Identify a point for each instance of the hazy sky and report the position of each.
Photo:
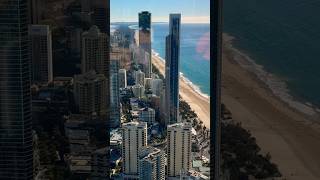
(192, 11)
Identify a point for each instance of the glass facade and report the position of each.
(145, 20)
(15, 99)
(172, 68)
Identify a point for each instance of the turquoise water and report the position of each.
(283, 36)
(194, 56)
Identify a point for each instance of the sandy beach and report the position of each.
(197, 102)
(291, 137)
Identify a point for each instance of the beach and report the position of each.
(283, 127)
(197, 101)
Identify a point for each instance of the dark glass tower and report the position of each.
(145, 40)
(145, 20)
(15, 102)
(172, 68)
(101, 15)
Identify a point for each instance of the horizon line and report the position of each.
(160, 22)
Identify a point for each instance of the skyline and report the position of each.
(192, 11)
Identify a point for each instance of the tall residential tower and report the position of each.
(151, 164)
(178, 149)
(172, 69)
(134, 135)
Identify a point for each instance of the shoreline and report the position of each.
(198, 102)
(188, 81)
(276, 85)
(287, 131)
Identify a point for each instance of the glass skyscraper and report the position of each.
(145, 41)
(15, 99)
(172, 69)
(145, 20)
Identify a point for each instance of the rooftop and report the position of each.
(134, 124)
(185, 126)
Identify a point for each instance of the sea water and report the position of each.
(194, 52)
(283, 37)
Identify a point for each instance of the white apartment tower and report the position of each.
(151, 164)
(178, 148)
(134, 135)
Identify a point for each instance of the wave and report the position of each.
(194, 87)
(278, 86)
(133, 26)
(188, 81)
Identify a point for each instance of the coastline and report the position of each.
(262, 104)
(276, 85)
(185, 79)
(189, 92)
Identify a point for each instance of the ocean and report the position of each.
(194, 52)
(283, 37)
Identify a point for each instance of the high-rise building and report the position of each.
(147, 83)
(134, 135)
(138, 91)
(147, 115)
(74, 39)
(172, 69)
(41, 53)
(90, 93)
(178, 148)
(16, 154)
(156, 86)
(101, 14)
(163, 109)
(95, 52)
(95, 56)
(139, 77)
(122, 78)
(151, 164)
(36, 11)
(145, 40)
(114, 93)
(99, 164)
(145, 20)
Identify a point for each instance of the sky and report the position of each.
(192, 11)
